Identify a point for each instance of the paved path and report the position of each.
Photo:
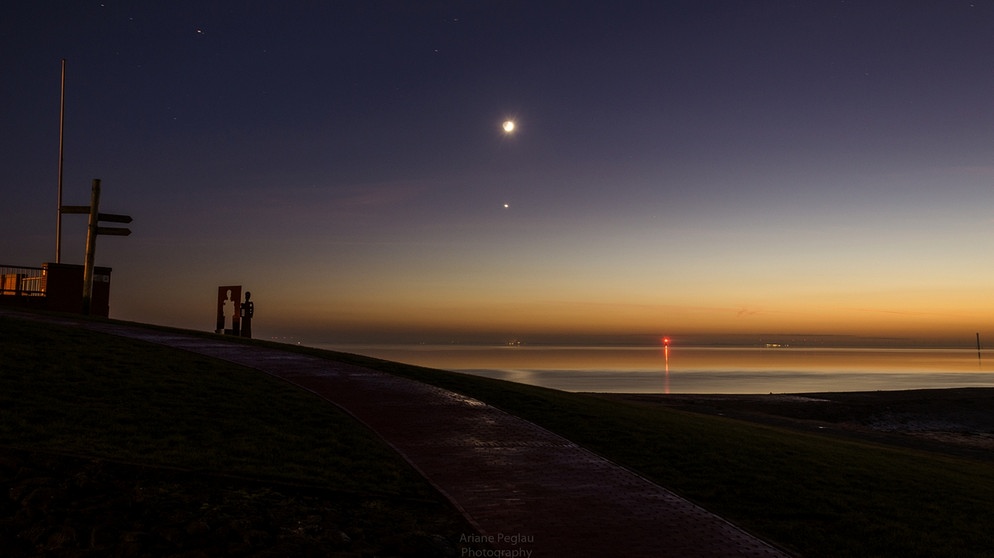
(531, 492)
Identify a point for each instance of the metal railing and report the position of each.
(21, 281)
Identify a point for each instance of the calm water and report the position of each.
(703, 369)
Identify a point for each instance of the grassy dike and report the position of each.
(225, 458)
(69, 390)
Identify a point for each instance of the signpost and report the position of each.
(92, 231)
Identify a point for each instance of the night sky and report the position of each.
(677, 168)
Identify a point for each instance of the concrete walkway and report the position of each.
(529, 492)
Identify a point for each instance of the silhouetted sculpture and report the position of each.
(248, 308)
(231, 293)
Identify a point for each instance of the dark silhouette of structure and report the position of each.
(229, 304)
(248, 309)
(226, 294)
(56, 287)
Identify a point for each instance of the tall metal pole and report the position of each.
(62, 119)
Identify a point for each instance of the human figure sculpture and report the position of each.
(232, 293)
(247, 309)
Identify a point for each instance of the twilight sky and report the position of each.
(809, 167)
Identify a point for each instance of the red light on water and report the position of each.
(666, 341)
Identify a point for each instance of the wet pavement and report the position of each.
(531, 493)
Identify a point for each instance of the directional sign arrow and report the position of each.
(115, 231)
(114, 218)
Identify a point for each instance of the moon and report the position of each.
(508, 126)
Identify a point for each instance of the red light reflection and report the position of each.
(666, 365)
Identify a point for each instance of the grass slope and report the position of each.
(119, 447)
(75, 391)
(817, 496)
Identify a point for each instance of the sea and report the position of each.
(714, 370)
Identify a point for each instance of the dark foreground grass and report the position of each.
(70, 390)
(816, 496)
(116, 447)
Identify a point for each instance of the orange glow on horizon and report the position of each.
(459, 306)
